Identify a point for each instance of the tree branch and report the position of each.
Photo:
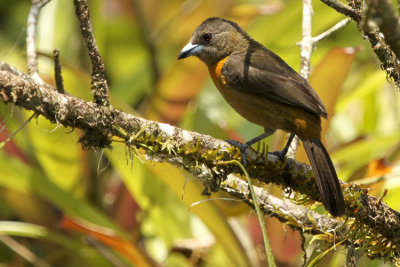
(343, 9)
(99, 81)
(390, 63)
(375, 225)
(382, 12)
(306, 45)
(284, 210)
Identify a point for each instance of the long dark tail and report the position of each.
(325, 175)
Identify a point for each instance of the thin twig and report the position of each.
(99, 81)
(306, 47)
(57, 72)
(3, 143)
(25, 253)
(341, 24)
(31, 55)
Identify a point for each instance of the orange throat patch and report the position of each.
(216, 72)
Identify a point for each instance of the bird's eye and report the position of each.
(207, 37)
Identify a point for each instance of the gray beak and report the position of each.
(190, 50)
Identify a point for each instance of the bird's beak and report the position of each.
(190, 50)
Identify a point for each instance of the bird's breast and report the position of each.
(245, 104)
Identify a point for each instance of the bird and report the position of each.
(265, 90)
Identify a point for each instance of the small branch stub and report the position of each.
(31, 55)
(57, 72)
(99, 81)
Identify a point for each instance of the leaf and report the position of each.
(110, 238)
(82, 254)
(18, 176)
(360, 153)
(57, 152)
(369, 84)
(36, 231)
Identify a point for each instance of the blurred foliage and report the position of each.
(71, 207)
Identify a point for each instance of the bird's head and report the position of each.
(215, 39)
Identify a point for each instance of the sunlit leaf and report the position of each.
(57, 152)
(364, 151)
(110, 238)
(20, 177)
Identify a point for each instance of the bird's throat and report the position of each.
(216, 72)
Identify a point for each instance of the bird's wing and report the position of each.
(261, 72)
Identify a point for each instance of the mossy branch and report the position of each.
(380, 25)
(370, 223)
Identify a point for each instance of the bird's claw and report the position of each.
(281, 154)
(242, 147)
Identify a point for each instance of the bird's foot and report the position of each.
(242, 147)
(281, 154)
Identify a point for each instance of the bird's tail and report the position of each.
(325, 175)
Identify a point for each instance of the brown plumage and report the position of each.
(262, 88)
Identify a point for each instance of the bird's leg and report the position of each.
(282, 154)
(243, 146)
